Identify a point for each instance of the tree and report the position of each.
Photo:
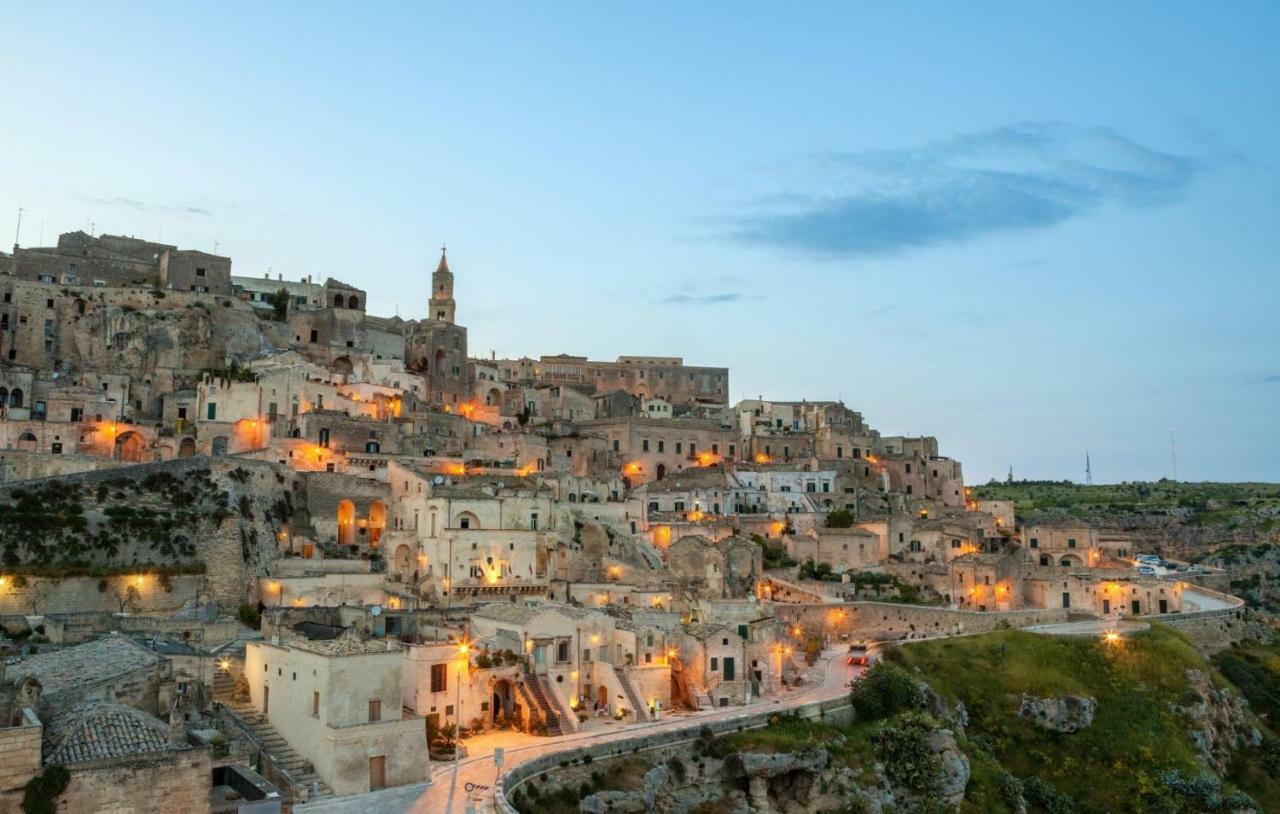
(127, 598)
(840, 519)
(280, 302)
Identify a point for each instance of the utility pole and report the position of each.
(17, 233)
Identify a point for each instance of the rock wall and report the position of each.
(43, 595)
(889, 621)
(158, 783)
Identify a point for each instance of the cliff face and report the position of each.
(211, 516)
(140, 332)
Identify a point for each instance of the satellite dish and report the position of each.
(376, 610)
(437, 480)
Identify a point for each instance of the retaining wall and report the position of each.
(837, 710)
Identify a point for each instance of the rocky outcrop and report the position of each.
(1219, 721)
(1070, 713)
(777, 782)
(952, 775)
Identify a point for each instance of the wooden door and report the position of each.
(377, 772)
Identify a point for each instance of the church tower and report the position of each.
(442, 305)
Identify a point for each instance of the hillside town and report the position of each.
(263, 550)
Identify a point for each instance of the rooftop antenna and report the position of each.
(1088, 470)
(17, 233)
(215, 247)
(1173, 453)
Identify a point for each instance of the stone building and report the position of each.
(80, 259)
(436, 347)
(122, 759)
(113, 668)
(337, 702)
(650, 449)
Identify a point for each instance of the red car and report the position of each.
(858, 655)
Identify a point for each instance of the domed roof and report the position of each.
(97, 729)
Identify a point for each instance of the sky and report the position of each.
(1031, 231)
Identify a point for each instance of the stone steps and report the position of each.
(305, 780)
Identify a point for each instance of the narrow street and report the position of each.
(477, 773)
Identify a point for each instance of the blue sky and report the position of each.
(1028, 231)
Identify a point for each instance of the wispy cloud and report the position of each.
(884, 310)
(143, 206)
(1024, 176)
(1272, 379)
(701, 299)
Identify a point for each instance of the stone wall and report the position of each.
(890, 621)
(83, 594)
(565, 768)
(159, 783)
(19, 755)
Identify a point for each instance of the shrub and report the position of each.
(883, 690)
(1046, 798)
(903, 747)
(250, 616)
(840, 519)
(40, 795)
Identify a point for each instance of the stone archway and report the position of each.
(27, 442)
(502, 703)
(494, 397)
(219, 446)
(342, 365)
(186, 448)
(377, 521)
(346, 523)
(129, 446)
(404, 562)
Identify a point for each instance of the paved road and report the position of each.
(1093, 627)
(478, 770)
(1192, 597)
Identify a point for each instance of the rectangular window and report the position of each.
(315, 705)
(199, 272)
(562, 651)
(439, 677)
(644, 445)
(375, 710)
(211, 411)
(324, 437)
(715, 664)
(315, 335)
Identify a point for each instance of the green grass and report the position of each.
(1203, 504)
(1112, 765)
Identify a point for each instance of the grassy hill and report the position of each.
(1138, 755)
(1230, 505)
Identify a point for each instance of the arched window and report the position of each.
(15, 397)
(337, 300)
(353, 302)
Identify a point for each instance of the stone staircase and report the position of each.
(545, 705)
(306, 783)
(638, 705)
(223, 686)
(703, 699)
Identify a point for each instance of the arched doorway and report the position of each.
(342, 365)
(346, 523)
(439, 360)
(129, 446)
(661, 471)
(493, 397)
(502, 703)
(27, 442)
(219, 446)
(404, 562)
(602, 698)
(353, 302)
(15, 397)
(377, 521)
(187, 448)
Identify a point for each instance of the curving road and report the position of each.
(477, 769)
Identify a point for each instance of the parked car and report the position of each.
(1146, 570)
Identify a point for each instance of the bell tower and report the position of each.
(442, 305)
